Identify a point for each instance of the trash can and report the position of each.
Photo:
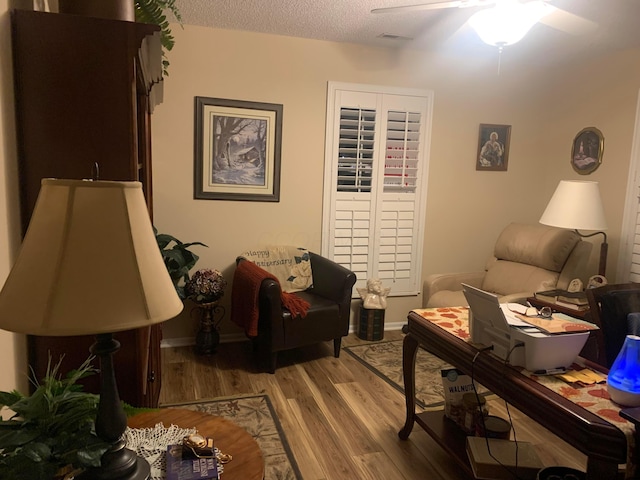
(371, 324)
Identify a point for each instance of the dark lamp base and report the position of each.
(126, 466)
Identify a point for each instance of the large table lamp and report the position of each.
(577, 205)
(90, 264)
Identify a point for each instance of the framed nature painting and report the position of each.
(237, 150)
(493, 147)
(587, 150)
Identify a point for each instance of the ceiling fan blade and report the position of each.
(568, 22)
(433, 6)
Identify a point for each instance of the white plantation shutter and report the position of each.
(375, 182)
(628, 267)
(634, 274)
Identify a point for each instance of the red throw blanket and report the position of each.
(244, 297)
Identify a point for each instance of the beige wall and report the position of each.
(466, 209)
(604, 94)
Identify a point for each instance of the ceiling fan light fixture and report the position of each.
(508, 22)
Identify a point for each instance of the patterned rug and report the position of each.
(385, 359)
(256, 415)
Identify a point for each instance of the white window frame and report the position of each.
(367, 207)
(628, 268)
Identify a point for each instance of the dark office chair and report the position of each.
(609, 307)
(327, 317)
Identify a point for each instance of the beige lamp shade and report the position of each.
(89, 264)
(576, 204)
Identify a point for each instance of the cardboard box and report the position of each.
(500, 461)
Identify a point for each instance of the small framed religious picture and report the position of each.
(587, 150)
(493, 147)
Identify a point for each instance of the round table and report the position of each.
(247, 463)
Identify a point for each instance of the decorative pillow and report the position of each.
(290, 265)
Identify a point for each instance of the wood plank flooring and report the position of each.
(341, 420)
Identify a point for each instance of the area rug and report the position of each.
(385, 359)
(256, 415)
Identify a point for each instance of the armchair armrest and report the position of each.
(270, 307)
(331, 280)
(270, 294)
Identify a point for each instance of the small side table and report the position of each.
(247, 463)
(581, 314)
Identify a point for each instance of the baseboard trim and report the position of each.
(189, 341)
(240, 337)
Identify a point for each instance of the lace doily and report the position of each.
(151, 444)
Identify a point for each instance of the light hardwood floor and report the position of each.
(341, 420)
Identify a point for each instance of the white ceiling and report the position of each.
(436, 30)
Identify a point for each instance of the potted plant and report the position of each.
(177, 258)
(52, 431)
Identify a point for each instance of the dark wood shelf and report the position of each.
(448, 435)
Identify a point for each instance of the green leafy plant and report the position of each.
(51, 429)
(177, 258)
(153, 11)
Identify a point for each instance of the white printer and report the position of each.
(542, 352)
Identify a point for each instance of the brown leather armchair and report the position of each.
(326, 319)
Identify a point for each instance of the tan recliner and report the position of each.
(526, 259)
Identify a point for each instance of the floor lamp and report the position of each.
(90, 264)
(577, 205)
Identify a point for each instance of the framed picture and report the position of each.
(237, 150)
(493, 147)
(587, 150)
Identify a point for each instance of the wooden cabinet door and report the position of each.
(81, 102)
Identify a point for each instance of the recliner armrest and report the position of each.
(449, 281)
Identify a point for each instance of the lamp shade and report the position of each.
(89, 264)
(508, 21)
(576, 205)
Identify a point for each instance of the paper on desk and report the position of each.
(511, 317)
(585, 376)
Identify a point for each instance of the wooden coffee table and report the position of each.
(604, 444)
(247, 463)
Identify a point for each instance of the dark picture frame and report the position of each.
(493, 147)
(237, 150)
(587, 150)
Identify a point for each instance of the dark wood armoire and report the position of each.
(84, 91)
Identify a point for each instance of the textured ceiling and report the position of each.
(615, 22)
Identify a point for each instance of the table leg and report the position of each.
(409, 351)
(598, 469)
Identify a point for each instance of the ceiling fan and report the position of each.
(504, 22)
